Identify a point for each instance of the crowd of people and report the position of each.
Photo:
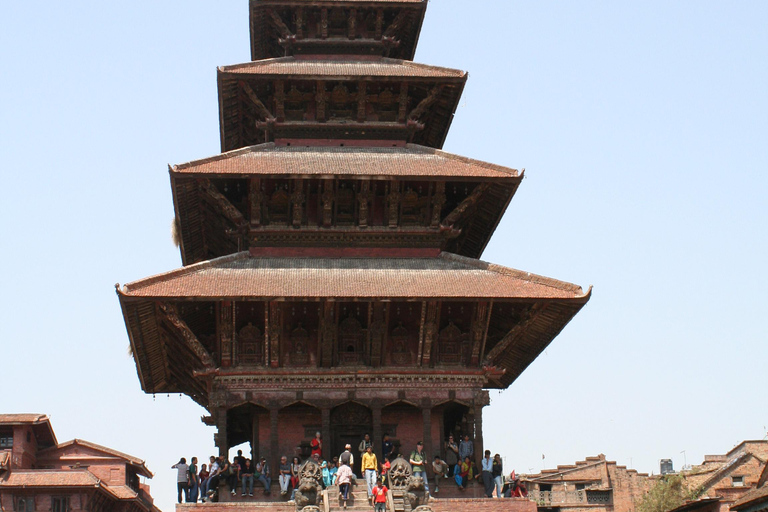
(202, 483)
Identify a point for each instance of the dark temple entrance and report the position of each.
(349, 423)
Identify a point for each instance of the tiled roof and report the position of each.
(50, 478)
(412, 160)
(136, 462)
(751, 498)
(40, 423)
(7, 419)
(121, 492)
(347, 68)
(447, 276)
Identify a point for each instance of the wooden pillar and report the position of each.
(377, 431)
(221, 435)
(226, 332)
(273, 457)
(326, 432)
(254, 436)
(441, 435)
(426, 414)
(481, 400)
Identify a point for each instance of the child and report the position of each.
(380, 496)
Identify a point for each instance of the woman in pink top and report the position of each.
(344, 479)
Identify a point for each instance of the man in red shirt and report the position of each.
(380, 496)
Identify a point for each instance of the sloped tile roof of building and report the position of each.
(135, 461)
(121, 492)
(411, 160)
(41, 423)
(8, 419)
(447, 276)
(753, 497)
(384, 67)
(50, 478)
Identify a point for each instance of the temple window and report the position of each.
(345, 203)
(250, 345)
(300, 343)
(450, 344)
(343, 103)
(400, 353)
(60, 504)
(279, 206)
(737, 481)
(350, 341)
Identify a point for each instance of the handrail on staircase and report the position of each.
(326, 501)
(390, 502)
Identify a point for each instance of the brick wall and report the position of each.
(483, 505)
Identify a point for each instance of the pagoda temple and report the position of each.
(330, 277)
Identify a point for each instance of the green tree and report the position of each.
(670, 492)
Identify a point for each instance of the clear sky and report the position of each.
(643, 129)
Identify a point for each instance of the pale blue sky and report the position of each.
(643, 128)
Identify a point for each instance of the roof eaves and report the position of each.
(519, 274)
(174, 169)
(514, 173)
(127, 288)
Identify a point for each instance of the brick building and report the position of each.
(38, 473)
(731, 476)
(591, 485)
(755, 500)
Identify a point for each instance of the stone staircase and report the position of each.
(358, 498)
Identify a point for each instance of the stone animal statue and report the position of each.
(309, 489)
(415, 492)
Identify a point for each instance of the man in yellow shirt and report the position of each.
(370, 465)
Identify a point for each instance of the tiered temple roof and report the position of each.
(330, 252)
(270, 196)
(388, 28)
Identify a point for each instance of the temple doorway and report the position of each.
(456, 422)
(349, 423)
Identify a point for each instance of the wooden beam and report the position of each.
(438, 200)
(275, 333)
(226, 328)
(265, 114)
(396, 23)
(361, 101)
(393, 198)
(321, 98)
(255, 199)
(430, 328)
(363, 199)
(297, 202)
(222, 204)
(280, 100)
(170, 314)
(379, 23)
(515, 332)
(459, 213)
(329, 333)
(352, 24)
(324, 23)
(281, 27)
(479, 329)
(424, 104)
